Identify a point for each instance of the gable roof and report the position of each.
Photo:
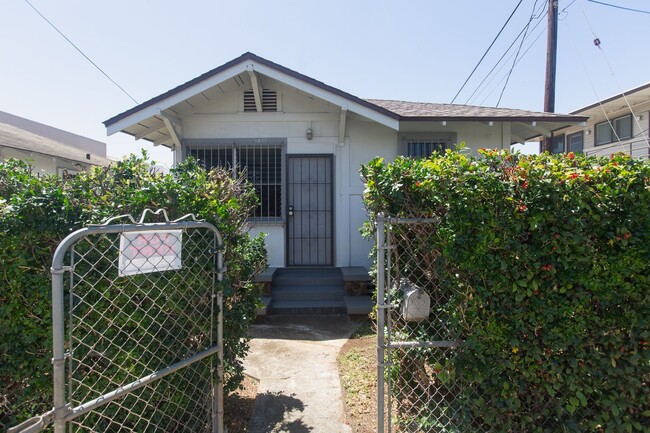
(242, 63)
(17, 138)
(149, 116)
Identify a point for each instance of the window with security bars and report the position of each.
(614, 130)
(424, 148)
(262, 165)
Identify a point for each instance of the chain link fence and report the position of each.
(137, 330)
(419, 347)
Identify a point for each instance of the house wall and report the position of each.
(637, 146)
(364, 140)
(41, 163)
(475, 135)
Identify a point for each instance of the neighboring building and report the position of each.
(49, 149)
(616, 124)
(302, 143)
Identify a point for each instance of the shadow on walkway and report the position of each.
(275, 412)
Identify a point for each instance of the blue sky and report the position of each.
(410, 50)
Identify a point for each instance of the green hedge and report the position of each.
(550, 255)
(37, 212)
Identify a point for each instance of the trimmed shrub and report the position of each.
(37, 212)
(543, 265)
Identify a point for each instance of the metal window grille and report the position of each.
(424, 148)
(262, 165)
(269, 101)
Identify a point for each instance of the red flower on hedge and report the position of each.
(571, 155)
(547, 267)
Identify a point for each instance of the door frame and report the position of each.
(332, 207)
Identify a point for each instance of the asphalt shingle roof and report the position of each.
(428, 110)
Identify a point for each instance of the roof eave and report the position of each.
(558, 119)
(228, 70)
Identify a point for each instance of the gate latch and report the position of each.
(290, 210)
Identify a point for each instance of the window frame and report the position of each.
(555, 140)
(568, 145)
(613, 125)
(231, 150)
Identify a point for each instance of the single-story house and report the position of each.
(302, 143)
(616, 124)
(49, 150)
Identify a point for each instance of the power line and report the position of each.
(532, 16)
(489, 74)
(80, 52)
(619, 7)
(598, 45)
(486, 51)
(520, 58)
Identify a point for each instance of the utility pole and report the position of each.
(551, 56)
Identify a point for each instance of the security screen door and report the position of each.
(309, 210)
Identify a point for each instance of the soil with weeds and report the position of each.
(358, 371)
(238, 406)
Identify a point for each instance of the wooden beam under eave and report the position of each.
(148, 131)
(173, 133)
(518, 138)
(535, 127)
(257, 87)
(342, 122)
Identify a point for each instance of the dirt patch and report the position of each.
(358, 371)
(238, 406)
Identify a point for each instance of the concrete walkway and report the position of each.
(294, 358)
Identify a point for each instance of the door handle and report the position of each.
(290, 212)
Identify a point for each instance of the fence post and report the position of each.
(380, 321)
(58, 349)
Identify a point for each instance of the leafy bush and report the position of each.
(36, 213)
(541, 264)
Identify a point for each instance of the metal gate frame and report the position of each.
(63, 412)
(386, 343)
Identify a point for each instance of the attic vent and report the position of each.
(269, 101)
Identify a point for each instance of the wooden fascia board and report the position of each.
(216, 79)
(174, 99)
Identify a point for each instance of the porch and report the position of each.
(316, 290)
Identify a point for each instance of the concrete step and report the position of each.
(308, 293)
(307, 277)
(358, 305)
(307, 307)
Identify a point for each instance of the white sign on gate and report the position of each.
(150, 251)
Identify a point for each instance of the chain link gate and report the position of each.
(418, 388)
(137, 329)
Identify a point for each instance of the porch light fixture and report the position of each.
(444, 123)
(310, 134)
(588, 131)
